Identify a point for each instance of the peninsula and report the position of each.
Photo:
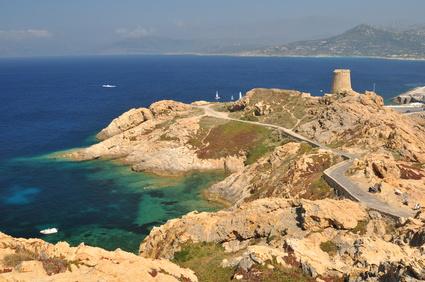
(328, 188)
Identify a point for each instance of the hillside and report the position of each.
(362, 40)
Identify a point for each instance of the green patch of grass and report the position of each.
(249, 117)
(305, 148)
(280, 118)
(320, 189)
(204, 259)
(329, 247)
(231, 138)
(256, 153)
(360, 228)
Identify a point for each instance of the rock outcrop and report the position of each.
(402, 183)
(124, 122)
(416, 95)
(318, 237)
(156, 140)
(36, 260)
(292, 170)
(359, 123)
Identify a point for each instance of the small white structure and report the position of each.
(49, 231)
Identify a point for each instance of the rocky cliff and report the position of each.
(160, 139)
(36, 260)
(318, 238)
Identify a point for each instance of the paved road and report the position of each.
(336, 174)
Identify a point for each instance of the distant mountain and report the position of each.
(362, 40)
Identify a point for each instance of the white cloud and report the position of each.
(136, 33)
(24, 34)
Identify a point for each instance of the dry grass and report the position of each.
(52, 265)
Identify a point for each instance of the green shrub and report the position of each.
(361, 227)
(329, 247)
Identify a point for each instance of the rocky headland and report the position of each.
(416, 95)
(285, 220)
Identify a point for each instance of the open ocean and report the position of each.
(53, 104)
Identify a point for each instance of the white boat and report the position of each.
(49, 231)
(108, 86)
(240, 95)
(231, 98)
(217, 97)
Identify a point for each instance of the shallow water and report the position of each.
(53, 104)
(100, 203)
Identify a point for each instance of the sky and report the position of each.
(60, 27)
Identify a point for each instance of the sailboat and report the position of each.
(240, 95)
(216, 96)
(231, 98)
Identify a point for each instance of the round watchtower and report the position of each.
(341, 81)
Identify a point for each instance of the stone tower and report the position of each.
(341, 81)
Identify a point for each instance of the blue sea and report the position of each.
(53, 104)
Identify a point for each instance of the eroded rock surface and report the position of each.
(36, 260)
(326, 238)
(292, 170)
(156, 140)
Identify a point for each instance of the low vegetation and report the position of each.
(329, 247)
(52, 265)
(205, 259)
(320, 189)
(285, 108)
(360, 228)
(218, 138)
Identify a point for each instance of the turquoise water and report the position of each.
(53, 104)
(100, 203)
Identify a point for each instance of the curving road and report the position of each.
(335, 175)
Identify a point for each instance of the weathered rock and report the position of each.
(125, 122)
(321, 214)
(159, 143)
(287, 172)
(358, 121)
(85, 264)
(167, 107)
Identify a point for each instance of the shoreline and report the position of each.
(197, 54)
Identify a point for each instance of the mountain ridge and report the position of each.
(363, 40)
